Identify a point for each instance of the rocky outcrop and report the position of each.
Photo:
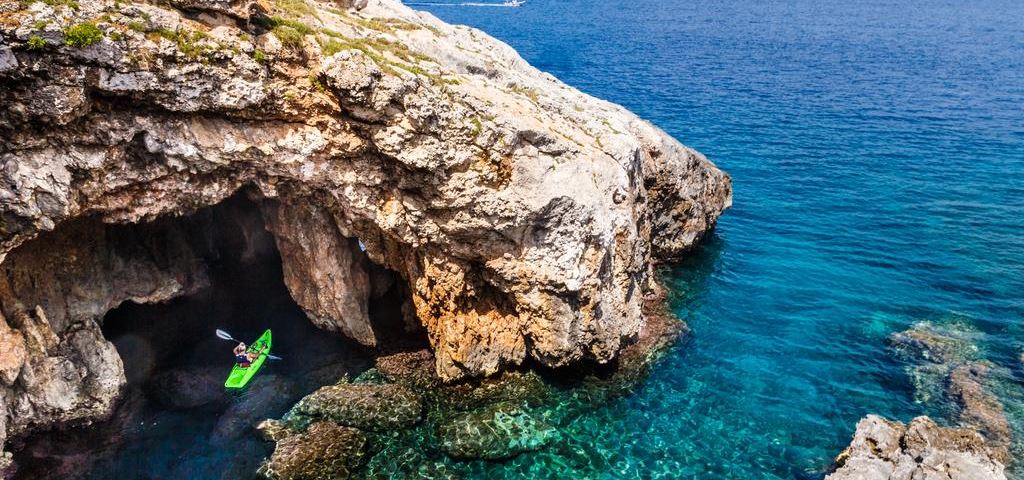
(322, 269)
(979, 408)
(325, 450)
(886, 450)
(521, 215)
(943, 363)
(55, 365)
(378, 408)
(497, 432)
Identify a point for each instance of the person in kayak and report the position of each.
(243, 357)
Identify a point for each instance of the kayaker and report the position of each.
(243, 357)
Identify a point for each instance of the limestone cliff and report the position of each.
(522, 215)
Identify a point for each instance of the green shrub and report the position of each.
(67, 3)
(259, 56)
(35, 42)
(289, 36)
(82, 35)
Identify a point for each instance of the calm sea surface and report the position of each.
(877, 150)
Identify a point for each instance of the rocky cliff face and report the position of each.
(523, 215)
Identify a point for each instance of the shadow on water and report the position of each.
(175, 419)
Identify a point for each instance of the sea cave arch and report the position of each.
(95, 309)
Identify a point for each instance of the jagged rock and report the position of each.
(322, 269)
(521, 215)
(887, 450)
(413, 369)
(189, 387)
(496, 432)
(325, 451)
(380, 408)
(526, 387)
(979, 408)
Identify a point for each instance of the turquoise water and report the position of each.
(877, 150)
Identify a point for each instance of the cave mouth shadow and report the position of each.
(245, 295)
(174, 419)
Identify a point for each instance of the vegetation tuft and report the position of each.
(82, 35)
(35, 42)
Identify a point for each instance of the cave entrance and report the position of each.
(245, 295)
(174, 418)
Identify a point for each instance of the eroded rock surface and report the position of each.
(499, 431)
(522, 215)
(377, 408)
(886, 450)
(980, 408)
(325, 450)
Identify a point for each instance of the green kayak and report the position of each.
(240, 376)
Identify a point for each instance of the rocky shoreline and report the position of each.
(400, 420)
(944, 365)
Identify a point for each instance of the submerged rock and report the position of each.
(497, 432)
(414, 369)
(325, 451)
(931, 352)
(940, 344)
(519, 387)
(979, 408)
(887, 450)
(190, 387)
(268, 395)
(377, 408)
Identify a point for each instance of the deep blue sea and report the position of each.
(877, 151)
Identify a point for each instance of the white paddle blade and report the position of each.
(224, 335)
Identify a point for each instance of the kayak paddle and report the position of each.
(227, 336)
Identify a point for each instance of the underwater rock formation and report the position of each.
(980, 408)
(943, 363)
(886, 450)
(378, 408)
(499, 417)
(521, 215)
(500, 431)
(325, 450)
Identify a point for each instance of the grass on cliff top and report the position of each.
(527, 92)
(72, 4)
(289, 32)
(375, 48)
(188, 41)
(82, 35)
(295, 8)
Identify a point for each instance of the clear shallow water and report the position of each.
(877, 152)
